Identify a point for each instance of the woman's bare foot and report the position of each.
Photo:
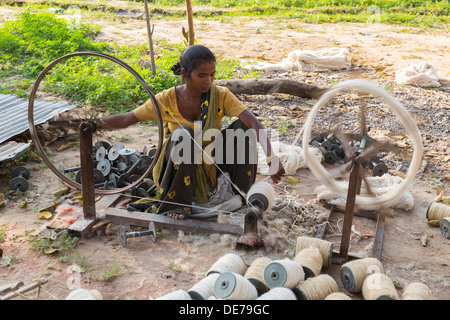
(175, 215)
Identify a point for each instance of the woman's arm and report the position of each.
(120, 121)
(276, 169)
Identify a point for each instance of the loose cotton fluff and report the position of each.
(422, 75)
(308, 60)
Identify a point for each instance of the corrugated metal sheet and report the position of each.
(14, 119)
(11, 150)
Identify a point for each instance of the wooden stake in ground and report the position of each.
(190, 23)
(150, 30)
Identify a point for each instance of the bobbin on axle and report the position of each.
(135, 234)
(20, 179)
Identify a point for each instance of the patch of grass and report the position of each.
(30, 43)
(111, 272)
(3, 233)
(424, 13)
(61, 243)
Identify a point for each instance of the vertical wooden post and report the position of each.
(82, 227)
(191, 40)
(150, 39)
(349, 210)
(87, 170)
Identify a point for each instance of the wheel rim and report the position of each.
(402, 114)
(39, 147)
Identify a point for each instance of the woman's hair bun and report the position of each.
(176, 69)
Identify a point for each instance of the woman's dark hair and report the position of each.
(192, 57)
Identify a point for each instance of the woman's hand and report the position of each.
(276, 170)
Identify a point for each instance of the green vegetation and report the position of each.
(30, 43)
(54, 242)
(424, 13)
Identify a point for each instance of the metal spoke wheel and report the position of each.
(45, 158)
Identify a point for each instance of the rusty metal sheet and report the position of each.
(14, 121)
(11, 150)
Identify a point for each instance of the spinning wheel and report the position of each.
(351, 192)
(326, 177)
(89, 126)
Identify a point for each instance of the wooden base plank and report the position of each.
(141, 219)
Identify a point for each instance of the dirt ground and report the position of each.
(146, 270)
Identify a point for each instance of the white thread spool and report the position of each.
(437, 211)
(338, 296)
(176, 295)
(255, 274)
(230, 262)
(311, 261)
(325, 247)
(233, 286)
(417, 291)
(266, 190)
(204, 288)
(283, 273)
(353, 273)
(84, 294)
(278, 293)
(379, 286)
(444, 226)
(316, 288)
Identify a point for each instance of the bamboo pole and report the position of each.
(191, 40)
(150, 40)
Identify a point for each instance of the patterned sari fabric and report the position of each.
(182, 183)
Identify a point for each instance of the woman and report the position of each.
(189, 111)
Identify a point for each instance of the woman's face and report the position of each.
(202, 77)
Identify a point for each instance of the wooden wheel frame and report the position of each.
(39, 147)
(322, 174)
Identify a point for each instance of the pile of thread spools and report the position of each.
(439, 214)
(334, 152)
(368, 276)
(117, 166)
(267, 279)
(299, 278)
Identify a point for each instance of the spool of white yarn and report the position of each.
(337, 296)
(265, 189)
(283, 273)
(311, 261)
(233, 286)
(230, 262)
(204, 288)
(444, 226)
(84, 294)
(417, 291)
(176, 295)
(278, 293)
(353, 273)
(379, 286)
(255, 274)
(316, 288)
